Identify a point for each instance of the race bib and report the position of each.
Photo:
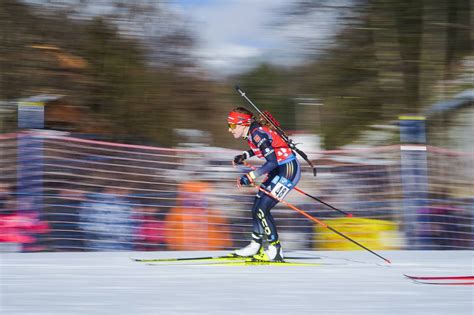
(282, 188)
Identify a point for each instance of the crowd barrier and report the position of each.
(66, 193)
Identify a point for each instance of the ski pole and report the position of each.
(310, 196)
(320, 222)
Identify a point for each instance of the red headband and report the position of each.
(239, 118)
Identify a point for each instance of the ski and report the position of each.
(204, 258)
(229, 257)
(254, 262)
(237, 261)
(443, 282)
(439, 280)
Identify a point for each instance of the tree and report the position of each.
(268, 87)
(384, 62)
(126, 93)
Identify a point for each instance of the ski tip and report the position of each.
(388, 261)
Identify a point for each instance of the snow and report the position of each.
(350, 282)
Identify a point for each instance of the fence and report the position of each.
(96, 195)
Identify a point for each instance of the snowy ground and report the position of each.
(353, 282)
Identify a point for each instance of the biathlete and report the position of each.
(283, 171)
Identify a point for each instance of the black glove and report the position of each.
(239, 159)
(245, 180)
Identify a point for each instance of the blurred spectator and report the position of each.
(18, 231)
(62, 214)
(443, 226)
(191, 225)
(107, 220)
(151, 230)
(6, 198)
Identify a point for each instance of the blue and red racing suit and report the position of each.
(283, 171)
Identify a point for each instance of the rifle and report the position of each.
(276, 126)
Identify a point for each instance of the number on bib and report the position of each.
(280, 191)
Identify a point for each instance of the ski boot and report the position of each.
(273, 253)
(251, 249)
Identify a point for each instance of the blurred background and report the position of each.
(113, 131)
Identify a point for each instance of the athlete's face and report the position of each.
(238, 131)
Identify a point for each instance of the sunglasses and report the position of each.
(232, 126)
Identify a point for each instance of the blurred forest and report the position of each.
(391, 57)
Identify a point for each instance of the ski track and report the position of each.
(347, 282)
